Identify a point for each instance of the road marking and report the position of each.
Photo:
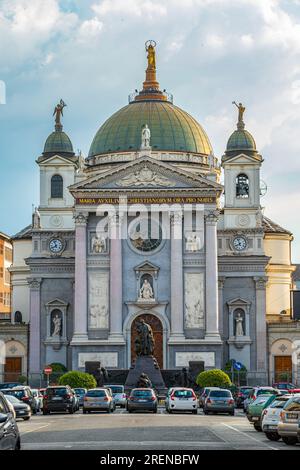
(248, 436)
(36, 429)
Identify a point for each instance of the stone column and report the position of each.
(221, 282)
(35, 365)
(116, 284)
(261, 325)
(211, 287)
(80, 316)
(176, 276)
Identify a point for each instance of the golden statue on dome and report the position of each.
(241, 109)
(150, 48)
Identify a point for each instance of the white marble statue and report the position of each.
(146, 134)
(146, 291)
(36, 219)
(192, 242)
(194, 300)
(98, 316)
(98, 244)
(239, 330)
(57, 325)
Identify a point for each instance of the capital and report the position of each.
(260, 282)
(212, 217)
(34, 283)
(80, 219)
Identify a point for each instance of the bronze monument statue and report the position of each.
(144, 381)
(144, 342)
(241, 109)
(58, 112)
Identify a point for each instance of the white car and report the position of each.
(181, 399)
(271, 417)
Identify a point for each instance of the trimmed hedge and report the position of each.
(213, 378)
(78, 379)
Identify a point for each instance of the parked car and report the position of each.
(97, 399)
(219, 401)
(76, 398)
(271, 416)
(112, 396)
(204, 395)
(142, 399)
(59, 398)
(283, 386)
(80, 393)
(4, 385)
(38, 398)
(22, 410)
(24, 393)
(241, 394)
(181, 399)
(255, 392)
(288, 425)
(256, 408)
(9, 432)
(119, 395)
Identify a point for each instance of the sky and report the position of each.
(91, 53)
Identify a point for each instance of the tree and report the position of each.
(78, 379)
(213, 378)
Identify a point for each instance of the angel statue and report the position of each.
(241, 109)
(58, 112)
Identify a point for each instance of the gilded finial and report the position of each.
(58, 112)
(150, 49)
(241, 108)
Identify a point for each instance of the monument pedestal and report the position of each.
(147, 365)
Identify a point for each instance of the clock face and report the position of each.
(55, 245)
(239, 243)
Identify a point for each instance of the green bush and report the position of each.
(78, 379)
(213, 378)
(22, 379)
(58, 367)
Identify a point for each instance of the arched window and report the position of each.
(242, 186)
(56, 186)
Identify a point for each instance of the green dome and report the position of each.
(58, 143)
(172, 129)
(241, 140)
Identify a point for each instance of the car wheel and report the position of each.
(46, 412)
(84, 412)
(205, 412)
(18, 445)
(289, 440)
(71, 411)
(195, 412)
(257, 428)
(231, 413)
(155, 411)
(27, 418)
(272, 436)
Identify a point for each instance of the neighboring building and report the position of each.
(5, 284)
(208, 291)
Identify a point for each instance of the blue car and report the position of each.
(80, 393)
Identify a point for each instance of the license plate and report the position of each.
(142, 401)
(56, 398)
(255, 418)
(21, 412)
(271, 426)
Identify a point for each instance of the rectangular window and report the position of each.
(1, 272)
(1, 297)
(7, 276)
(8, 254)
(220, 241)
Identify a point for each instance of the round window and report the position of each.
(145, 234)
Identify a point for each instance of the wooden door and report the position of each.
(12, 369)
(157, 329)
(283, 368)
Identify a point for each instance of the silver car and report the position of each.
(119, 395)
(204, 395)
(271, 417)
(219, 401)
(288, 425)
(97, 399)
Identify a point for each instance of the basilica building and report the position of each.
(143, 229)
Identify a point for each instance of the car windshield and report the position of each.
(57, 391)
(220, 393)
(116, 389)
(260, 400)
(293, 404)
(142, 393)
(183, 393)
(17, 393)
(266, 391)
(278, 404)
(79, 391)
(96, 393)
(13, 400)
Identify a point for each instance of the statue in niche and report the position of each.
(239, 329)
(192, 242)
(146, 291)
(146, 134)
(56, 325)
(98, 244)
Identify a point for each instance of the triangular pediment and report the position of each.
(238, 302)
(145, 173)
(56, 303)
(147, 266)
(242, 159)
(55, 160)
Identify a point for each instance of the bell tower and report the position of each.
(241, 163)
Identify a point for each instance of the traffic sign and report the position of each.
(237, 365)
(48, 370)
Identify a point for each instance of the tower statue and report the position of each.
(241, 109)
(150, 48)
(146, 134)
(58, 112)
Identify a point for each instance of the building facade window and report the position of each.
(56, 186)
(242, 186)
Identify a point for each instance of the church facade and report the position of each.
(138, 230)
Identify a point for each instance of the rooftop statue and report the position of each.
(58, 112)
(241, 109)
(150, 48)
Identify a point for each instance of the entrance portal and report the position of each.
(157, 329)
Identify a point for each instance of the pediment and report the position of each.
(56, 303)
(243, 159)
(146, 266)
(238, 302)
(145, 173)
(55, 160)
